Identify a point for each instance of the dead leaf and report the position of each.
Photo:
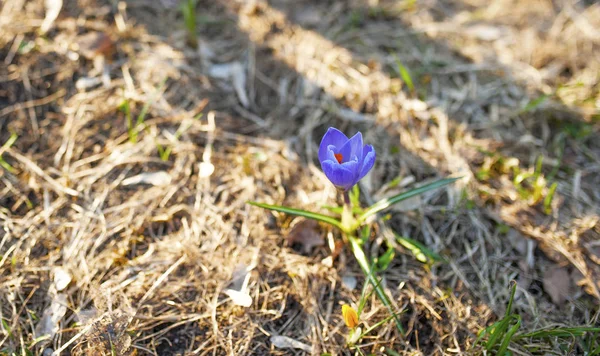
(557, 283)
(206, 169)
(307, 234)
(53, 8)
(236, 74)
(48, 325)
(284, 342)
(62, 278)
(349, 282)
(241, 298)
(154, 178)
(94, 44)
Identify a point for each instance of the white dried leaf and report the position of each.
(327, 261)
(557, 283)
(349, 282)
(414, 105)
(242, 299)
(486, 32)
(236, 74)
(87, 83)
(206, 169)
(241, 277)
(284, 342)
(154, 178)
(62, 278)
(48, 325)
(86, 316)
(53, 8)
(307, 234)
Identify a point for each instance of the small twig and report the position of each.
(160, 280)
(37, 170)
(32, 103)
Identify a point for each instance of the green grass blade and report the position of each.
(485, 332)
(383, 262)
(497, 333)
(513, 290)
(11, 140)
(549, 197)
(391, 352)
(533, 104)
(375, 326)
(147, 104)
(298, 212)
(386, 203)
(404, 74)
(559, 332)
(509, 335)
(6, 165)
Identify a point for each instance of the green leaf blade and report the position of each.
(420, 251)
(387, 202)
(404, 74)
(298, 212)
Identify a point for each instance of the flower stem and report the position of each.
(361, 258)
(347, 215)
(348, 227)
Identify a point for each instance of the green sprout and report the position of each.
(165, 152)
(11, 140)
(188, 9)
(133, 128)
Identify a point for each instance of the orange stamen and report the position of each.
(339, 157)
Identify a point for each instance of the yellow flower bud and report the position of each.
(350, 316)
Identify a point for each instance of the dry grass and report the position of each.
(111, 266)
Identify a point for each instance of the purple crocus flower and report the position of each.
(345, 161)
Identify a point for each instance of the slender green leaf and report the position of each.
(11, 140)
(509, 334)
(383, 262)
(513, 290)
(6, 165)
(298, 212)
(338, 209)
(365, 233)
(387, 202)
(549, 197)
(485, 332)
(361, 258)
(497, 333)
(533, 104)
(6, 327)
(420, 251)
(147, 104)
(404, 74)
(559, 332)
(188, 9)
(375, 326)
(391, 352)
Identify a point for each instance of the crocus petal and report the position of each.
(333, 137)
(342, 176)
(330, 154)
(368, 161)
(352, 148)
